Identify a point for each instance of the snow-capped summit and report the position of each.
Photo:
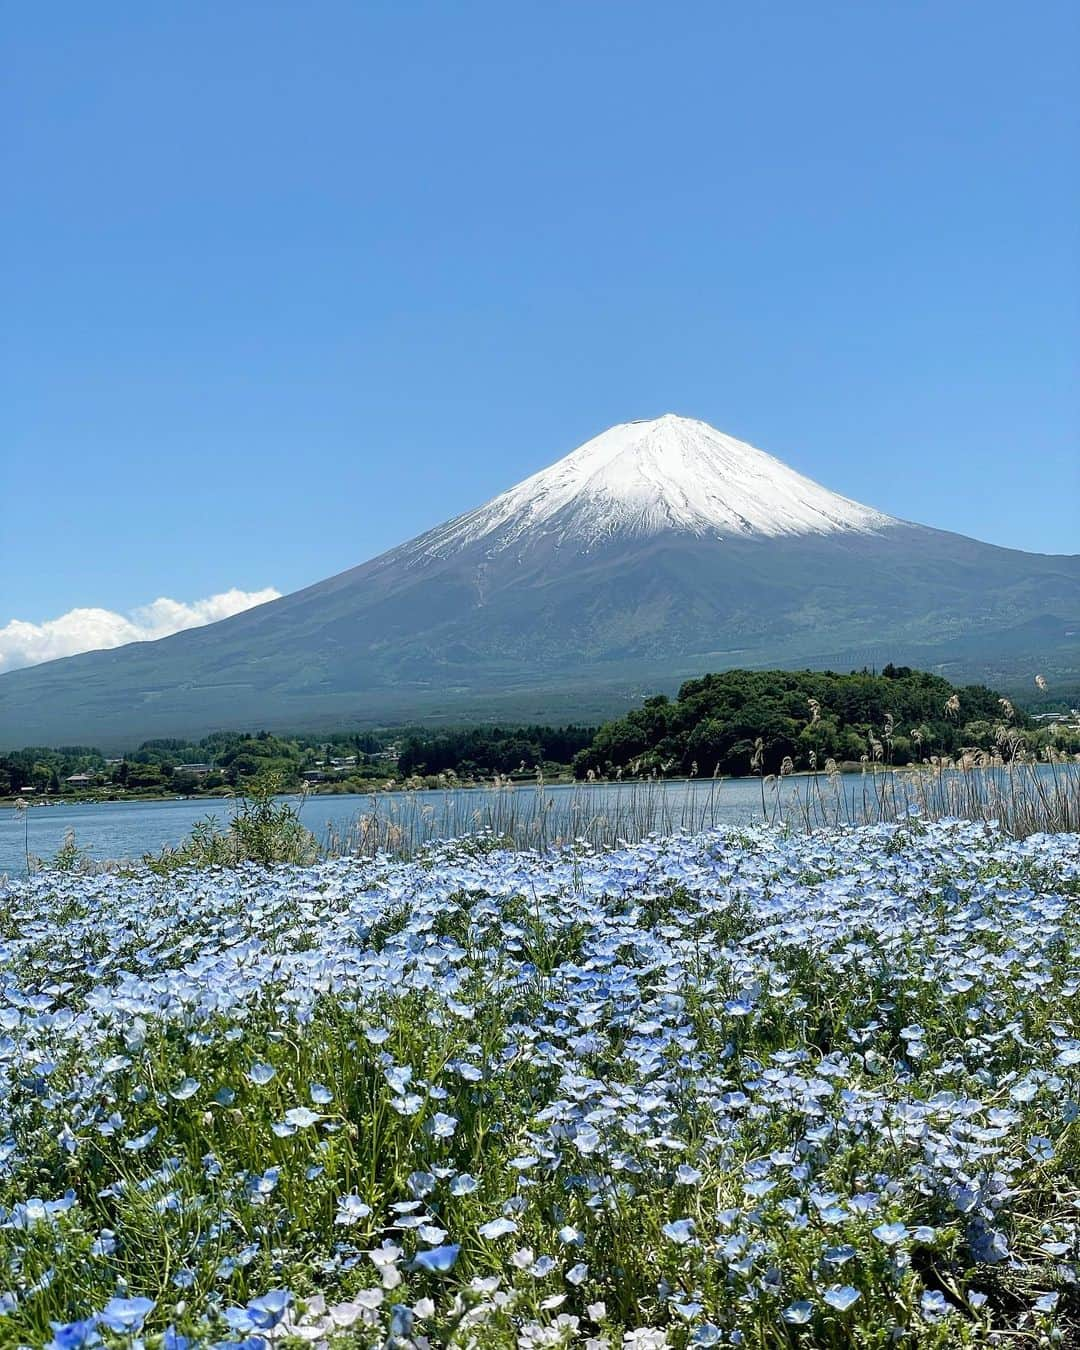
(647, 477)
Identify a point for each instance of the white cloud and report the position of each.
(85, 630)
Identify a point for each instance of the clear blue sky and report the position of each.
(285, 284)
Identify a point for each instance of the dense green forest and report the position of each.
(808, 717)
(479, 752)
(341, 761)
(712, 726)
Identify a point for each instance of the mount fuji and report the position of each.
(658, 550)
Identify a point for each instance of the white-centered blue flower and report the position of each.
(841, 1296)
(126, 1315)
(303, 1117)
(351, 1209)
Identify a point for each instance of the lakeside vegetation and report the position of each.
(776, 721)
(734, 723)
(366, 761)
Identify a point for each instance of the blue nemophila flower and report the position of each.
(142, 1141)
(463, 1184)
(303, 1117)
(398, 1077)
(578, 1274)
(1046, 1303)
(421, 1184)
(443, 1126)
(438, 1259)
(496, 1228)
(185, 1089)
(586, 1139)
(1040, 1148)
(351, 1209)
(836, 1256)
(709, 1335)
(321, 1095)
(259, 1187)
(261, 1073)
(401, 1322)
(126, 1314)
(934, 1303)
(798, 1314)
(74, 1335)
(841, 1296)
(266, 1311)
(687, 1175)
(891, 1233)
(679, 1230)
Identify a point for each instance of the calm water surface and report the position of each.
(130, 829)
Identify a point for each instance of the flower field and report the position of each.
(722, 1089)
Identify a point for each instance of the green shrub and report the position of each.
(261, 830)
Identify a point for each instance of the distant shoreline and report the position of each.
(848, 769)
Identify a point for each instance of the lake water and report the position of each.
(108, 830)
(604, 813)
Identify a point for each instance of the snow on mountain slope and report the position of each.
(642, 478)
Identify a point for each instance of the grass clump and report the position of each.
(262, 829)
